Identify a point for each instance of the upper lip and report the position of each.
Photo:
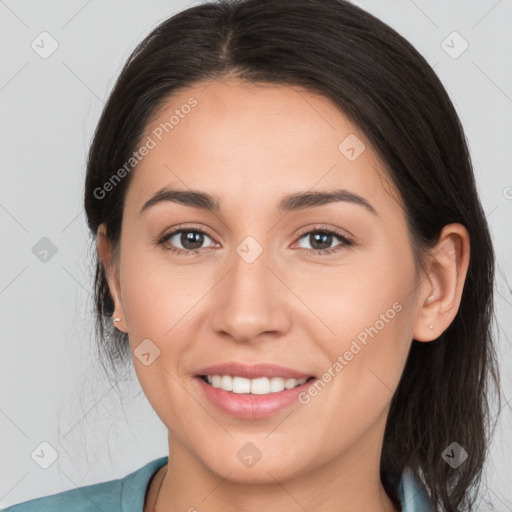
(253, 371)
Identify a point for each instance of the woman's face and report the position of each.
(256, 288)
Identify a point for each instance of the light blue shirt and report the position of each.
(127, 495)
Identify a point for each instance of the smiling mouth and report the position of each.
(258, 386)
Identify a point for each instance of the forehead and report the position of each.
(243, 140)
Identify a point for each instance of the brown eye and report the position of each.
(191, 240)
(321, 240)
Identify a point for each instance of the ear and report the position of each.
(111, 266)
(441, 289)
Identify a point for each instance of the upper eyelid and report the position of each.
(335, 231)
(179, 229)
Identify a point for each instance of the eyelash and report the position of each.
(345, 241)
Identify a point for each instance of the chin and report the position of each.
(249, 466)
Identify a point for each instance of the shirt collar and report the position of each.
(412, 494)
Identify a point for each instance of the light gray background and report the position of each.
(52, 389)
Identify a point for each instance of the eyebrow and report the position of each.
(292, 202)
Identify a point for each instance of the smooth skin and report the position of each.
(249, 145)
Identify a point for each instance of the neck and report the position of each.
(352, 479)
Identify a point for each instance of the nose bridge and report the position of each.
(250, 301)
(250, 263)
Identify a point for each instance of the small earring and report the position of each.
(431, 326)
(116, 319)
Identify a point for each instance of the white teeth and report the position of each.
(226, 383)
(259, 386)
(240, 385)
(290, 383)
(276, 384)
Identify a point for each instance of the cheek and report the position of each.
(155, 304)
(369, 290)
(369, 309)
(154, 293)
(144, 306)
(161, 302)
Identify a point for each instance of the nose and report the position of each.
(251, 302)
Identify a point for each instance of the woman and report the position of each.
(348, 373)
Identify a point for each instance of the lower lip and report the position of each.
(252, 407)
